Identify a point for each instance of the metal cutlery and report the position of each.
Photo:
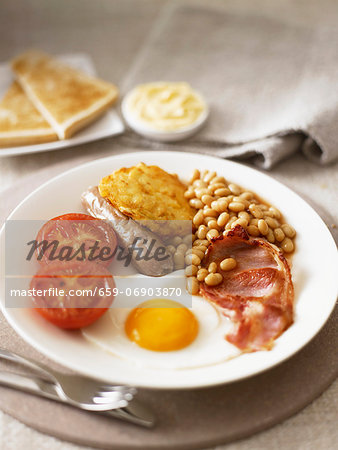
(80, 391)
(135, 412)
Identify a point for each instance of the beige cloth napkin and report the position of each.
(271, 85)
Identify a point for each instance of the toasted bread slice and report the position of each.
(67, 98)
(20, 122)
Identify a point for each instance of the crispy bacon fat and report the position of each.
(257, 295)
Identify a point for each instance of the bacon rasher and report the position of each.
(257, 295)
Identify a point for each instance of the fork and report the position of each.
(79, 390)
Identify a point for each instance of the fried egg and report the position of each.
(165, 333)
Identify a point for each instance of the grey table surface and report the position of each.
(112, 32)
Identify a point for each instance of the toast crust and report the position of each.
(26, 139)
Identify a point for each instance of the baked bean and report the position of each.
(201, 251)
(235, 189)
(199, 242)
(242, 222)
(244, 215)
(271, 236)
(288, 230)
(279, 234)
(212, 225)
(207, 199)
(208, 177)
(212, 267)
(191, 271)
(232, 220)
(195, 175)
(241, 200)
(287, 245)
(200, 184)
(177, 240)
(212, 234)
(189, 194)
(201, 232)
(230, 224)
(201, 274)
(273, 223)
(222, 219)
(228, 264)
(198, 252)
(247, 195)
(263, 227)
(215, 186)
(213, 279)
(237, 198)
(188, 240)
(196, 203)
(256, 211)
(221, 205)
(198, 218)
(179, 260)
(193, 285)
(222, 192)
(253, 230)
(182, 248)
(208, 219)
(253, 222)
(218, 180)
(200, 192)
(209, 212)
(171, 249)
(213, 205)
(236, 206)
(201, 248)
(276, 212)
(204, 173)
(192, 259)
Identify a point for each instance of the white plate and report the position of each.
(109, 124)
(314, 271)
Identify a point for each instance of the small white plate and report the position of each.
(314, 272)
(109, 124)
(160, 135)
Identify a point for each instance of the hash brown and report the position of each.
(149, 193)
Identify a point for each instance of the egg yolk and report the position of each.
(161, 325)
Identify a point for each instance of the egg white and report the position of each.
(209, 347)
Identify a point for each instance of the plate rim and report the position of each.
(72, 142)
(152, 155)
